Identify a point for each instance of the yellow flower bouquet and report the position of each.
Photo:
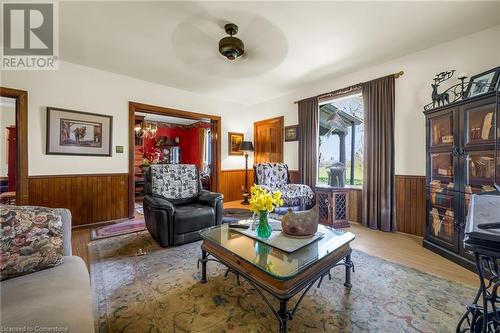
(262, 202)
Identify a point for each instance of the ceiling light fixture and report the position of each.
(231, 47)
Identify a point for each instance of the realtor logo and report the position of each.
(29, 36)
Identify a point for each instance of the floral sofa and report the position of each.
(275, 177)
(44, 287)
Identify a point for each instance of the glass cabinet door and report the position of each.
(441, 130)
(441, 221)
(479, 125)
(479, 174)
(442, 169)
(480, 171)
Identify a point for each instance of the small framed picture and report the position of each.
(292, 133)
(234, 143)
(483, 83)
(78, 133)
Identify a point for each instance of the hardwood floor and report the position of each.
(407, 250)
(396, 247)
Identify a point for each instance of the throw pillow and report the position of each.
(31, 239)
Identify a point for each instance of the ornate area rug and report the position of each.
(160, 292)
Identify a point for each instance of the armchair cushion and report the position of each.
(175, 181)
(297, 194)
(31, 240)
(193, 217)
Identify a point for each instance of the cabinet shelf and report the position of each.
(480, 181)
(442, 177)
(441, 207)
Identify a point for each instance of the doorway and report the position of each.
(14, 146)
(164, 135)
(268, 140)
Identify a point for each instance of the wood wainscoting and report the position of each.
(410, 204)
(90, 198)
(355, 205)
(233, 181)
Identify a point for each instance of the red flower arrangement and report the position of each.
(150, 156)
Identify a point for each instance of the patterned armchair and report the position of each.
(275, 176)
(176, 207)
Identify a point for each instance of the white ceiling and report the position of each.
(288, 44)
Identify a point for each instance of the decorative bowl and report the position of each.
(300, 224)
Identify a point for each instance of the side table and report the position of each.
(333, 203)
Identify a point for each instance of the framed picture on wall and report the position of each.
(78, 133)
(292, 133)
(483, 83)
(234, 143)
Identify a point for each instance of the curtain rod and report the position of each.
(349, 88)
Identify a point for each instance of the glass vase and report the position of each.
(264, 229)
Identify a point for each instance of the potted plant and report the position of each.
(149, 156)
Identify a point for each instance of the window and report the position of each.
(341, 139)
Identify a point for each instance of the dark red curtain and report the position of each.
(378, 168)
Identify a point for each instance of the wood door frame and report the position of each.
(281, 120)
(134, 107)
(21, 97)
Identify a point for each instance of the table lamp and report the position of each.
(246, 147)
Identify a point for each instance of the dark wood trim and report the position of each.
(243, 170)
(47, 133)
(21, 96)
(79, 175)
(215, 121)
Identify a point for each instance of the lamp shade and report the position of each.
(246, 146)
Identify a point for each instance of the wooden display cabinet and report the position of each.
(460, 161)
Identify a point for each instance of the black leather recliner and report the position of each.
(175, 206)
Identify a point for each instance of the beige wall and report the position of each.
(87, 89)
(471, 54)
(7, 118)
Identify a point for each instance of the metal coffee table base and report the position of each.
(283, 314)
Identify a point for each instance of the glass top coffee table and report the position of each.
(279, 273)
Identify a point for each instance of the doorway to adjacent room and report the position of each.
(163, 135)
(13, 146)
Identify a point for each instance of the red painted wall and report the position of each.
(189, 142)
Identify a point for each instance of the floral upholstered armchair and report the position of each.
(275, 177)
